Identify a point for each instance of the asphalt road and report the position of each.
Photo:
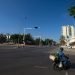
(30, 61)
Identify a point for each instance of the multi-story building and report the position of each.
(69, 33)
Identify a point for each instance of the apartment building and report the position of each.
(68, 31)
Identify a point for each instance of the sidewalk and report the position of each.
(66, 51)
(69, 51)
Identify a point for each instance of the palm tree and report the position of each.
(72, 11)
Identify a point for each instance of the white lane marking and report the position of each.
(66, 73)
(40, 67)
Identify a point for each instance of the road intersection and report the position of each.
(30, 61)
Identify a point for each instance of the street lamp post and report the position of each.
(25, 33)
(40, 41)
(24, 38)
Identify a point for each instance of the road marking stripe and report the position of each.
(40, 67)
(66, 73)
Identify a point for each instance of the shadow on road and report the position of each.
(73, 66)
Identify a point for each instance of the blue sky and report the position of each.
(49, 15)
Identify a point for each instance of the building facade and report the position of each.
(69, 33)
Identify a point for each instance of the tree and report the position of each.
(20, 38)
(48, 42)
(43, 42)
(72, 11)
(37, 41)
(29, 39)
(3, 38)
(16, 38)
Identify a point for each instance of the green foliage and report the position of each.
(48, 42)
(72, 11)
(2, 38)
(37, 41)
(18, 38)
(29, 39)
